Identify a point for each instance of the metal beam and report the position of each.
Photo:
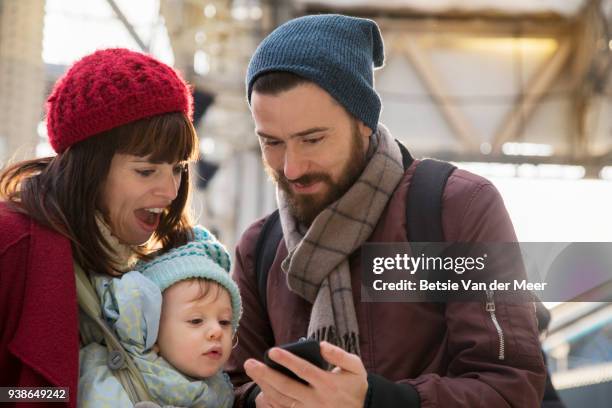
(128, 26)
(592, 164)
(476, 27)
(462, 128)
(537, 87)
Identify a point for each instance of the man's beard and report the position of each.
(306, 207)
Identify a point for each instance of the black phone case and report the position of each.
(307, 349)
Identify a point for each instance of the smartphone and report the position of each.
(309, 350)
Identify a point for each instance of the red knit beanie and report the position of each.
(110, 88)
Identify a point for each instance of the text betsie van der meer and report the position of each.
(457, 265)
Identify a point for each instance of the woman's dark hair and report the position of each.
(64, 192)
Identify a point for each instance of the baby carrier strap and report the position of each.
(119, 361)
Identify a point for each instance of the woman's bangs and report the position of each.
(168, 138)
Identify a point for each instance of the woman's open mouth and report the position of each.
(148, 218)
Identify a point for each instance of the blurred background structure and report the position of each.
(519, 91)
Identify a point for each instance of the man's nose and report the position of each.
(295, 165)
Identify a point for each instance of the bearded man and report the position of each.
(341, 183)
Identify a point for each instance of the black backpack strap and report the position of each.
(265, 251)
(406, 157)
(424, 201)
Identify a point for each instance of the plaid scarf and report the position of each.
(317, 265)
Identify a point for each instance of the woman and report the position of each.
(120, 122)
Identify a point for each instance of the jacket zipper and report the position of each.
(490, 307)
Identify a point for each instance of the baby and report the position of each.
(176, 317)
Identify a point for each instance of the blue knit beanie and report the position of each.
(338, 53)
(204, 257)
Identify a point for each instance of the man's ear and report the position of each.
(364, 130)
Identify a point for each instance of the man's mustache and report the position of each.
(304, 180)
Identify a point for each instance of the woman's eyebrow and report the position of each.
(149, 161)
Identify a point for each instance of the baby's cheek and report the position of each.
(168, 338)
(227, 348)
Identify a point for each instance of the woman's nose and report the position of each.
(169, 186)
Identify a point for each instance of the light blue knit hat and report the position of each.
(339, 53)
(203, 257)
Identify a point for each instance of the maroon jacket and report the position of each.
(448, 353)
(39, 337)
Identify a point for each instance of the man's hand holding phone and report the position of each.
(308, 350)
(346, 385)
